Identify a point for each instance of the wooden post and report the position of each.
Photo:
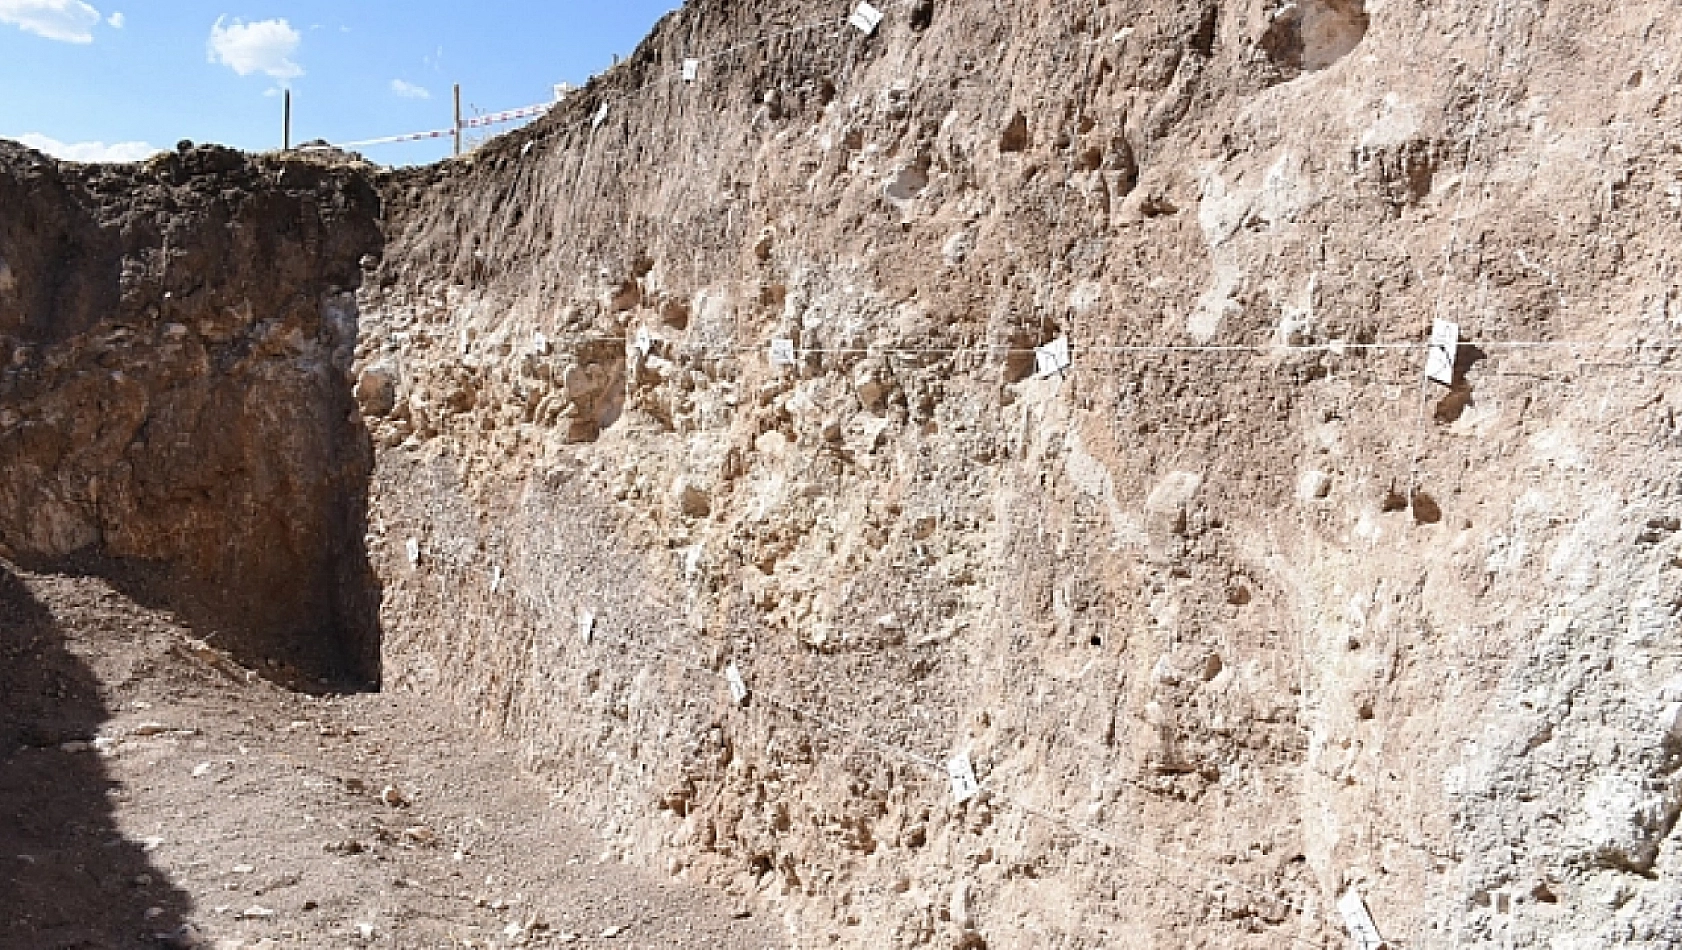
(286, 124)
(458, 120)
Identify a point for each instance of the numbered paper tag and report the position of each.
(644, 341)
(496, 579)
(691, 69)
(412, 549)
(1052, 359)
(782, 352)
(540, 344)
(1359, 922)
(738, 686)
(1439, 358)
(964, 785)
(586, 626)
(600, 116)
(866, 18)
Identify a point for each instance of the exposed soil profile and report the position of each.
(971, 483)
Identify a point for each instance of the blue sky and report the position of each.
(95, 79)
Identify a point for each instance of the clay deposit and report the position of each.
(1238, 615)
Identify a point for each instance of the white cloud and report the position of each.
(89, 151)
(70, 21)
(265, 46)
(409, 90)
(117, 20)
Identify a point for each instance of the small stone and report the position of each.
(201, 770)
(153, 913)
(143, 880)
(149, 729)
(613, 931)
(1670, 721)
(692, 500)
(376, 390)
(243, 869)
(394, 797)
(255, 912)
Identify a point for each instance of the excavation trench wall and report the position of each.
(1237, 615)
(175, 398)
(1252, 626)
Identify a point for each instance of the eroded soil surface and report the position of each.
(153, 793)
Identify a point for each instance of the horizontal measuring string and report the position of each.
(1263, 348)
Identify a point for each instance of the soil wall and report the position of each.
(1240, 614)
(175, 401)
(1237, 615)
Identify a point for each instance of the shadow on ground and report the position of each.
(68, 877)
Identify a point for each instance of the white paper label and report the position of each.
(644, 341)
(865, 18)
(1359, 922)
(964, 785)
(738, 686)
(691, 69)
(540, 344)
(782, 352)
(600, 117)
(1439, 358)
(412, 549)
(586, 626)
(496, 579)
(1052, 359)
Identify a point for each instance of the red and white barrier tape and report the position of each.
(871, 17)
(477, 122)
(497, 118)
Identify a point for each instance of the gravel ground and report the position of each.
(154, 793)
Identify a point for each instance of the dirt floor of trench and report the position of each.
(155, 794)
